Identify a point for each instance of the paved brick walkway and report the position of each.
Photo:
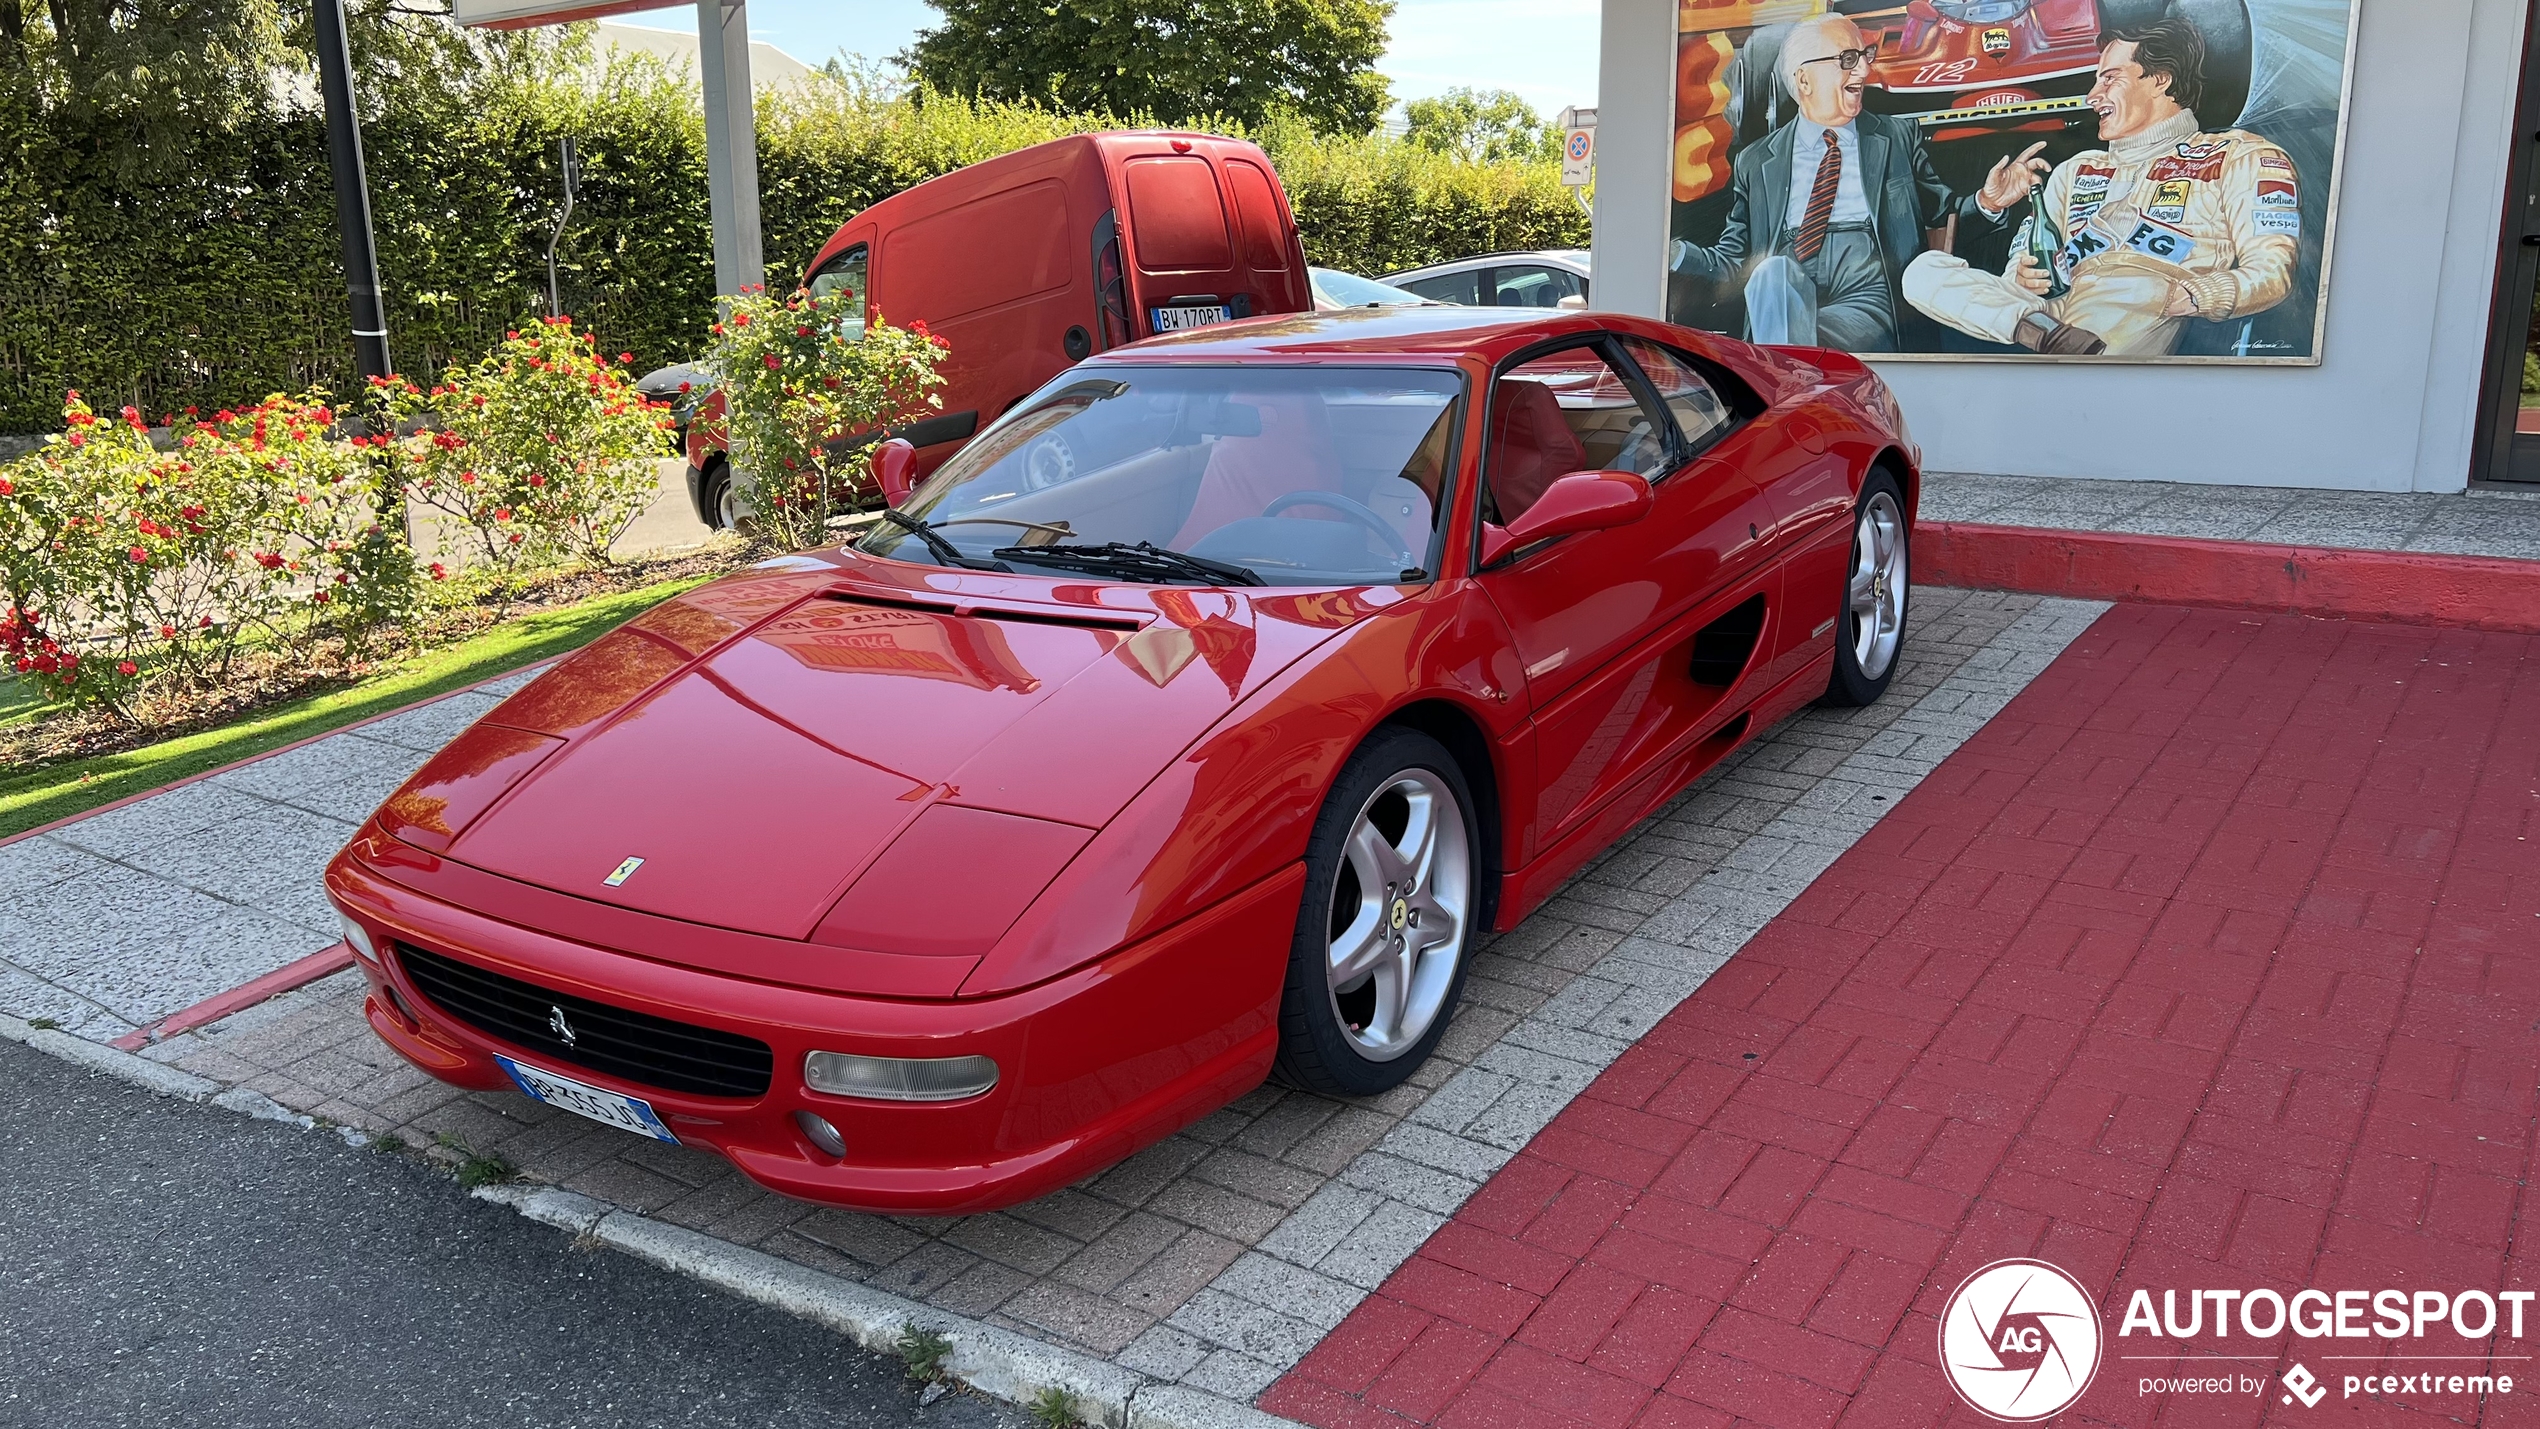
(128, 915)
(2475, 523)
(2209, 962)
(1219, 1256)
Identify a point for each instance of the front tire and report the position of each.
(1870, 633)
(1392, 884)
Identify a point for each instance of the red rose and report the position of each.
(126, 667)
(773, 362)
(139, 556)
(502, 513)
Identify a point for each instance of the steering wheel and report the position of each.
(1391, 538)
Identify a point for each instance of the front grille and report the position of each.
(637, 1046)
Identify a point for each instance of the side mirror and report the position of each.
(895, 470)
(1580, 501)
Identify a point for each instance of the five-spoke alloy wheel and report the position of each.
(1388, 913)
(1876, 587)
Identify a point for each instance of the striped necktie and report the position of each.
(1812, 227)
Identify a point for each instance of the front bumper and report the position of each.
(1093, 1065)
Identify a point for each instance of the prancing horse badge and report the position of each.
(624, 872)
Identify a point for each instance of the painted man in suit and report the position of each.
(1834, 205)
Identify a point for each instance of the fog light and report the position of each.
(821, 1133)
(356, 935)
(899, 1079)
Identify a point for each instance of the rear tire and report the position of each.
(1385, 929)
(1870, 632)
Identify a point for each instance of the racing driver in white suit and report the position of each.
(2165, 224)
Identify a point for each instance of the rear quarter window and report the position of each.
(996, 249)
(1177, 218)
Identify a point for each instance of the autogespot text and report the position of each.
(2449, 1327)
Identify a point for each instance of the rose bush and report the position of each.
(543, 449)
(802, 377)
(123, 558)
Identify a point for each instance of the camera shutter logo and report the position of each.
(2019, 1340)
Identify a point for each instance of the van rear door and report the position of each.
(1208, 239)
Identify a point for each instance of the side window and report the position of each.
(1565, 411)
(1703, 413)
(1532, 287)
(846, 271)
(1464, 287)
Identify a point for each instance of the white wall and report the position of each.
(2391, 407)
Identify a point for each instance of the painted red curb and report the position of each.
(2404, 587)
(283, 979)
(158, 789)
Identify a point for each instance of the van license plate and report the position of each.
(1181, 319)
(581, 1098)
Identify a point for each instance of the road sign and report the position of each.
(1578, 147)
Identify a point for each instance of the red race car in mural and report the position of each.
(1963, 69)
(1187, 727)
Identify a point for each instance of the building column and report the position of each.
(723, 58)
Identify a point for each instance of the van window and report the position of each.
(996, 249)
(846, 271)
(1176, 217)
(1257, 209)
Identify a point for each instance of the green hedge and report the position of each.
(215, 280)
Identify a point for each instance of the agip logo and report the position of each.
(2019, 1340)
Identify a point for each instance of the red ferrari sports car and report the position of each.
(1186, 728)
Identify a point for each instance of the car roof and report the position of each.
(1442, 331)
(1575, 259)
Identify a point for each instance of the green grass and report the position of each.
(56, 791)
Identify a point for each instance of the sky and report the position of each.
(1545, 50)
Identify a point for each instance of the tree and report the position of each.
(1482, 126)
(1173, 59)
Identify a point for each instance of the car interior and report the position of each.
(1306, 478)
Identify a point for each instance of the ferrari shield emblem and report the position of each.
(624, 872)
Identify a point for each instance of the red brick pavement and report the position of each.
(2214, 961)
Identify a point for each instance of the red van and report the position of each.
(1031, 261)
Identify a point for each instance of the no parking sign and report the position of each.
(1578, 146)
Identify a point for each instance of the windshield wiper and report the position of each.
(944, 551)
(1144, 561)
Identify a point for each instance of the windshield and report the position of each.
(1351, 291)
(1304, 476)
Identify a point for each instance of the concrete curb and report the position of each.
(2405, 587)
(994, 1361)
(114, 1062)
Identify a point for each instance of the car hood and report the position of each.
(761, 742)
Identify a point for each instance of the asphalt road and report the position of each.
(166, 1263)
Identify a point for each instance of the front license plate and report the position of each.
(1182, 319)
(623, 1112)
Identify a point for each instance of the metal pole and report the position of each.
(352, 191)
(555, 299)
(723, 57)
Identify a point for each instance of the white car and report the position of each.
(1335, 290)
(1549, 278)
